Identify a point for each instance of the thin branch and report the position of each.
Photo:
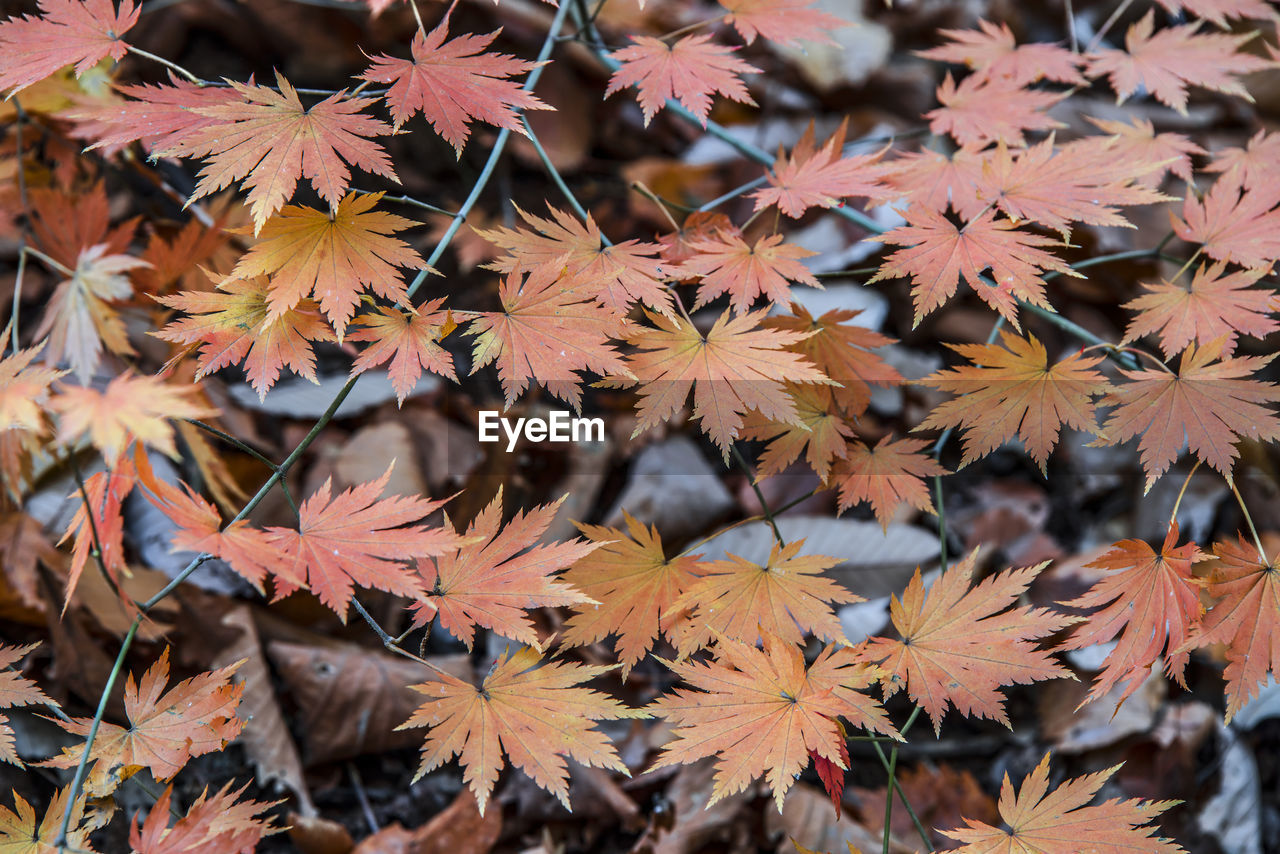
(137, 51)
(764, 504)
(552, 171)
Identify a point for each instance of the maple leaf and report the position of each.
(156, 113)
(1057, 822)
(408, 341)
(356, 539)
(1247, 586)
(1012, 389)
(1206, 400)
(21, 834)
(16, 690)
(549, 330)
(79, 320)
(735, 367)
(177, 259)
(689, 71)
(1172, 59)
(993, 54)
(633, 585)
(759, 712)
(939, 254)
(787, 597)
(104, 492)
(83, 32)
(130, 408)
(536, 716)
(620, 274)
(844, 352)
(728, 265)
(1152, 603)
(1240, 227)
(212, 825)
(933, 180)
(1139, 143)
(1219, 10)
(498, 574)
(820, 432)
(1216, 305)
(246, 549)
(1248, 166)
(961, 644)
(984, 109)
(331, 255)
(454, 82)
(1079, 182)
(786, 22)
(166, 728)
(24, 391)
(886, 476)
(230, 325)
(269, 140)
(812, 177)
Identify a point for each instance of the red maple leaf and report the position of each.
(453, 82)
(812, 177)
(981, 110)
(688, 71)
(83, 32)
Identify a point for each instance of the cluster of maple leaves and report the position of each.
(990, 209)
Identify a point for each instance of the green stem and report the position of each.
(233, 441)
(764, 505)
(552, 171)
(734, 193)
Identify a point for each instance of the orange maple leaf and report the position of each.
(408, 341)
(246, 549)
(737, 366)
(1043, 822)
(212, 825)
(268, 140)
(499, 574)
(21, 833)
(105, 492)
(934, 180)
(728, 265)
(230, 325)
(454, 82)
(1206, 405)
(333, 255)
(939, 254)
(550, 329)
(618, 275)
(1217, 304)
(534, 715)
(1249, 166)
(1247, 585)
(1152, 602)
(992, 53)
(786, 597)
(1082, 181)
(16, 690)
(357, 539)
(1231, 225)
(811, 177)
(886, 476)
(1012, 389)
(961, 644)
(689, 71)
(759, 712)
(1167, 61)
(83, 32)
(786, 22)
(820, 432)
(633, 584)
(130, 408)
(24, 391)
(1137, 142)
(1218, 11)
(985, 109)
(842, 351)
(166, 728)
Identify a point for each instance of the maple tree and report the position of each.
(178, 240)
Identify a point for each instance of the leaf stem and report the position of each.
(137, 51)
(1257, 540)
(764, 504)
